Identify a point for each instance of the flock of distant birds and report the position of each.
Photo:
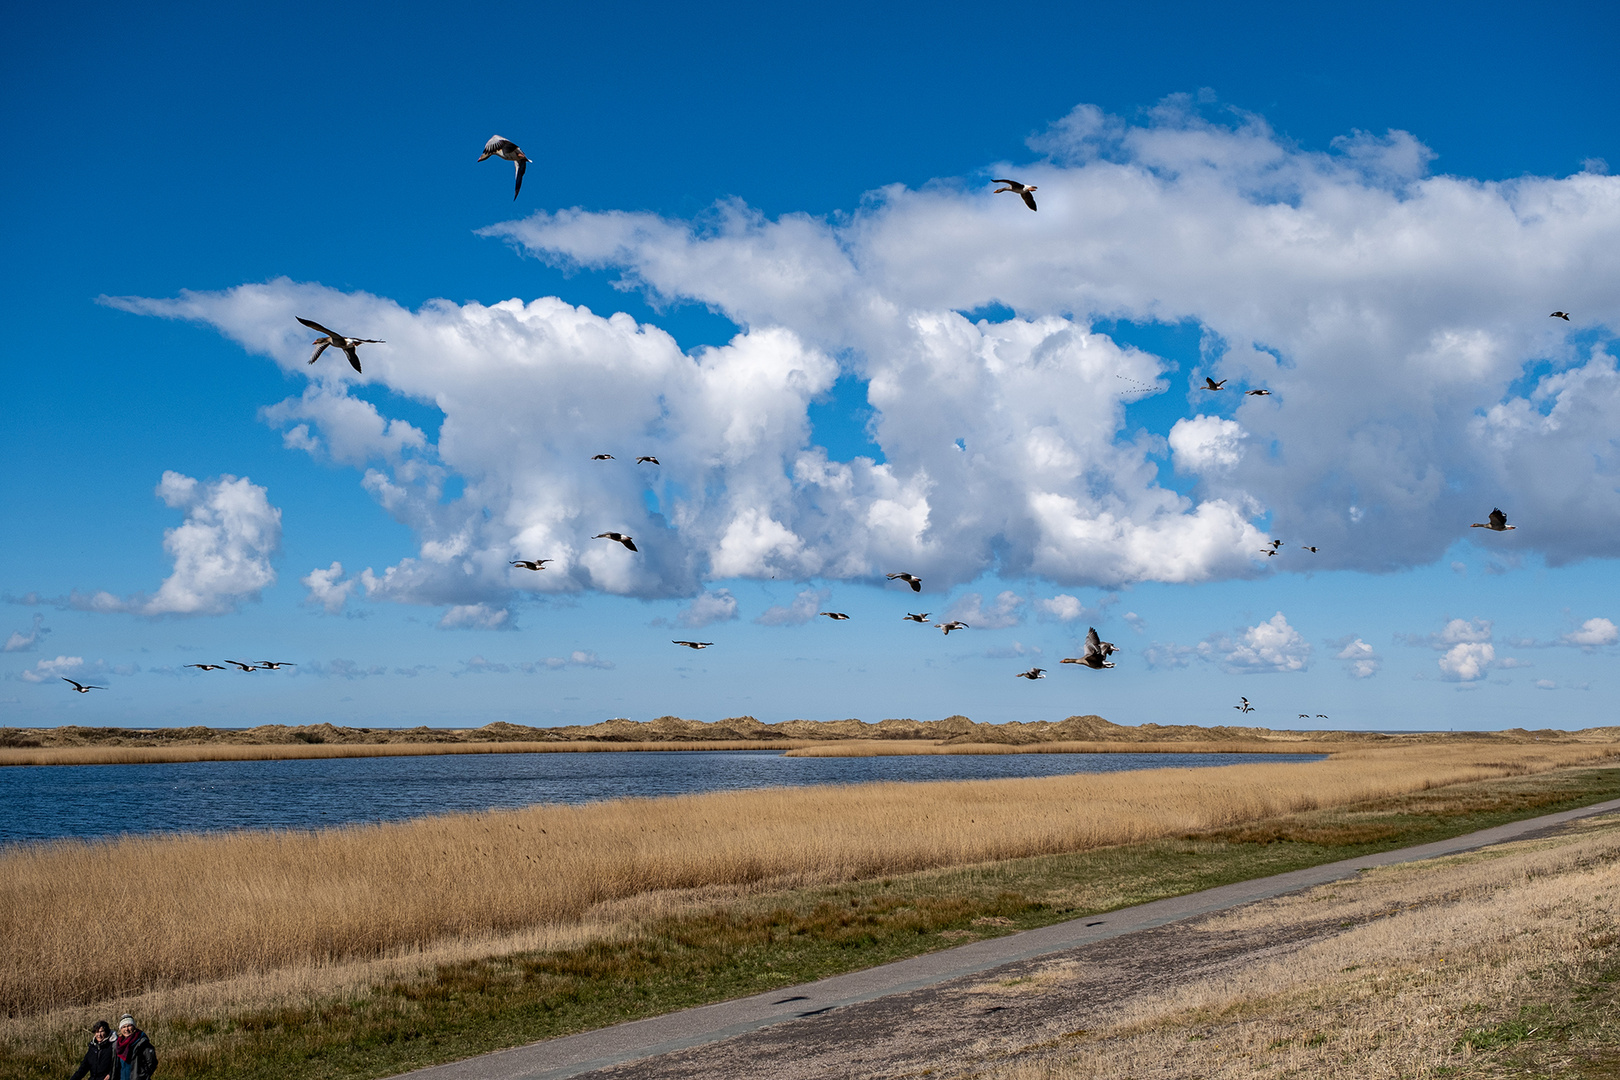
(1096, 652)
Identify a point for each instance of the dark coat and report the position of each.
(100, 1061)
(143, 1057)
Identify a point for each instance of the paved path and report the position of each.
(589, 1051)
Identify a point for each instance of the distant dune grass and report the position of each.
(183, 909)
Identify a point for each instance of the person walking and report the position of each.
(100, 1059)
(137, 1060)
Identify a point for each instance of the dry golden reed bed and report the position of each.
(190, 908)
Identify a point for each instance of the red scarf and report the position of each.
(126, 1044)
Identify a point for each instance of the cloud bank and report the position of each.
(1399, 319)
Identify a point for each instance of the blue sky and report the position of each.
(1368, 211)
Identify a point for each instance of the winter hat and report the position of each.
(126, 1019)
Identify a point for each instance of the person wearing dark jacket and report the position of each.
(137, 1060)
(100, 1060)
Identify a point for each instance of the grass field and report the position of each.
(652, 953)
(1498, 963)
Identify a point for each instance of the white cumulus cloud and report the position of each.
(1468, 661)
(1361, 660)
(62, 666)
(1272, 646)
(1327, 277)
(806, 605)
(21, 642)
(327, 588)
(709, 607)
(1594, 633)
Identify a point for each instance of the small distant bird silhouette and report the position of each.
(276, 665)
(244, 667)
(954, 624)
(1257, 393)
(1312, 550)
(1322, 716)
(208, 667)
(1268, 551)
(81, 687)
(507, 150)
(1497, 522)
(1304, 716)
(1275, 544)
(1560, 315)
(648, 458)
(627, 541)
(1096, 654)
(693, 644)
(1245, 707)
(915, 618)
(1025, 190)
(532, 564)
(835, 616)
(1032, 674)
(601, 457)
(1211, 384)
(910, 579)
(335, 340)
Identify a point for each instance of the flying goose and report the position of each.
(1309, 548)
(1025, 190)
(1497, 522)
(81, 687)
(915, 618)
(1560, 315)
(1304, 716)
(208, 667)
(601, 457)
(1096, 654)
(244, 667)
(693, 644)
(627, 541)
(648, 459)
(910, 579)
(1032, 674)
(954, 624)
(276, 665)
(1257, 393)
(1245, 707)
(507, 150)
(335, 340)
(1211, 384)
(1322, 716)
(532, 564)
(835, 616)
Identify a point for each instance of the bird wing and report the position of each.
(354, 357)
(496, 144)
(627, 542)
(1029, 200)
(320, 347)
(1498, 519)
(521, 165)
(66, 679)
(313, 325)
(1015, 185)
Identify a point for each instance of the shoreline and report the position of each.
(72, 745)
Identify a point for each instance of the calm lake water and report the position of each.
(50, 802)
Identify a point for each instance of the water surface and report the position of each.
(57, 801)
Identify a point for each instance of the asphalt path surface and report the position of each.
(679, 1044)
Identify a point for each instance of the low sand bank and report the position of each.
(71, 745)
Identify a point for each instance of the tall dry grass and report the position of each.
(183, 909)
(1439, 949)
(153, 755)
